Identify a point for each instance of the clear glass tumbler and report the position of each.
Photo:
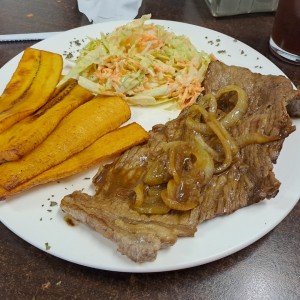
(285, 37)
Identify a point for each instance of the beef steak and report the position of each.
(249, 179)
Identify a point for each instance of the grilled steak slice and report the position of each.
(139, 236)
(249, 179)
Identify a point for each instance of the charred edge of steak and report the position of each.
(293, 107)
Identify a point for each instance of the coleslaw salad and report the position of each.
(144, 64)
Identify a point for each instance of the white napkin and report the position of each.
(109, 10)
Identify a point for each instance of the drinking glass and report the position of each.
(285, 37)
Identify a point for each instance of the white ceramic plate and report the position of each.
(35, 217)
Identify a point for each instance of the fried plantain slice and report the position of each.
(28, 133)
(106, 147)
(21, 78)
(37, 94)
(75, 132)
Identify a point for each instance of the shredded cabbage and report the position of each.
(143, 63)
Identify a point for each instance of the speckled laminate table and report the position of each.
(268, 269)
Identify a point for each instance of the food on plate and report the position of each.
(267, 114)
(106, 147)
(22, 98)
(28, 133)
(294, 108)
(215, 158)
(75, 132)
(22, 78)
(144, 64)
